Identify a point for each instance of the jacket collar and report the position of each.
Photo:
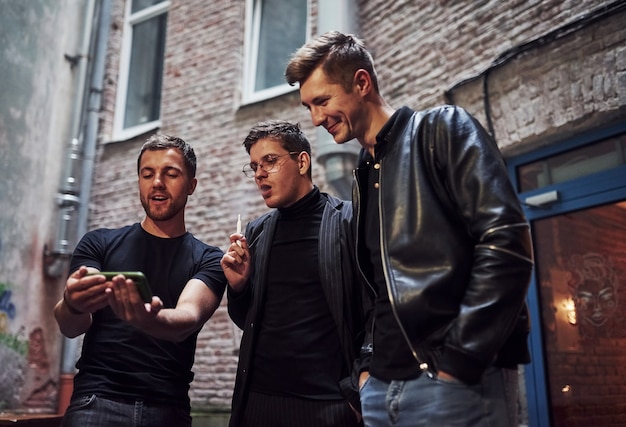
(390, 132)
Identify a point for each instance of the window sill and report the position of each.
(135, 131)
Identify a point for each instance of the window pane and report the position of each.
(142, 4)
(145, 75)
(572, 164)
(283, 30)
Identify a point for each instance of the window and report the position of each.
(578, 162)
(274, 30)
(138, 103)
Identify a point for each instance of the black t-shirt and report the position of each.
(119, 360)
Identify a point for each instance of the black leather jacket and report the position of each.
(456, 248)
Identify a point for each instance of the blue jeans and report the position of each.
(428, 401)
(94, 411)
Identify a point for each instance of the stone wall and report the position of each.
(38, 90)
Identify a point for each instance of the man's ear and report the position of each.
(304, 162)
(192, 186)
(362, 81)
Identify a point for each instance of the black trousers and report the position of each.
(264, 410)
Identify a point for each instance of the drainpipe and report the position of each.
(339, 160)
(68, 198)
(75, 188)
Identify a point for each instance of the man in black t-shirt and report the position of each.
(136, 360)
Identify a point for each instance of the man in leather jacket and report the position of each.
(441, 238)
(293, 292)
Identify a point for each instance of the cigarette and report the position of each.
(239, 228)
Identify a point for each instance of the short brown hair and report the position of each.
(163, 142)
(287, 134)
(340, 56)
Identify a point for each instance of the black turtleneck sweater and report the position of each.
(298, 351)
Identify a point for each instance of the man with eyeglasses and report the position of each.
(292, 290)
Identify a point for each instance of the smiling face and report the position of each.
(596, 301)
(288, 181)
(341, 113)
(164, 185)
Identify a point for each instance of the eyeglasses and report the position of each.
(268, 163)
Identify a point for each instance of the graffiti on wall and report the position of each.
(25, 376)
(13, 349)
(7, 315)
(39, 389)
(594, 285)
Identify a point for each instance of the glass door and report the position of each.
(574, 196)
(581, 275)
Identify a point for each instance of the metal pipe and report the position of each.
(99, 16)
(93, 110)
(68, 197)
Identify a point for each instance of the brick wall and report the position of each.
(422, 50)
(570, 81)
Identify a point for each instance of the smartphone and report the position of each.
(141, 283)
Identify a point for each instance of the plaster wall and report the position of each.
(37, 92)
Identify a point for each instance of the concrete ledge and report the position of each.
(32, 420)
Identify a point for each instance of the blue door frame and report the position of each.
(596, 189)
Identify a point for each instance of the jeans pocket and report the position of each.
(82, 402)
(446, 381)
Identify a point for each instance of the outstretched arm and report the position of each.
(195, 306)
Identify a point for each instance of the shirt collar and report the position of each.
(390, 131)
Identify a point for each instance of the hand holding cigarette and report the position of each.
(236, 261)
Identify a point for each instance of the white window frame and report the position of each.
(251, 51)
(130, 20)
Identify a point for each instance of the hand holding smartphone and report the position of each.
(141, 283)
